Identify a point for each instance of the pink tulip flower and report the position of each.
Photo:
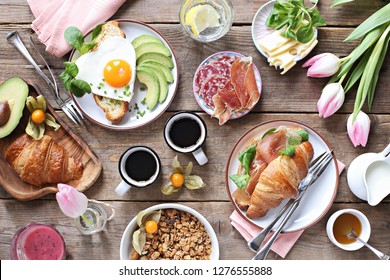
(72, 202)
(359, 130)
(332, 98)
(322, 65)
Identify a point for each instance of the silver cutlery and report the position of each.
(379, 254)
(67, 105)
(255, 243)
(317, 167)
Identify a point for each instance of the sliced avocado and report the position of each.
(163, 59)
(144, 39)
(150, 80)
(161, 80)
(152, 47)
(15, 92)
(167, 72)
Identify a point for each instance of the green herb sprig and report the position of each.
(246, 158)
(299, 20)
(76, 39)
(294, 140)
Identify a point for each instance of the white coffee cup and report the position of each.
(196, 148)
(364, 235)
(128, 182)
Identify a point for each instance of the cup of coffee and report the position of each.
(185, 132)
(139, 167)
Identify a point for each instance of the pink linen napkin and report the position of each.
(53, 17)
(283, 243)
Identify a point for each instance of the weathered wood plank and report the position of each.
(109, 146)
(152, 11)
(105, 245)
(293, 92)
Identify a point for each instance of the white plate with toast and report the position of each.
(319, 196)
(137, 115)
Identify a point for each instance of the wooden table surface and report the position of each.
(292, 96)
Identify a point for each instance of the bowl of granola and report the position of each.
(169, 231)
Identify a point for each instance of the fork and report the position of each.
(255, 243)
(67, 105)
(314, 173)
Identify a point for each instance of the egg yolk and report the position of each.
(117, 73)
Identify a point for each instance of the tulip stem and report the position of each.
(85, 218)
(342, 78)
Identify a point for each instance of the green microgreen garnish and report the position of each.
(299, 20)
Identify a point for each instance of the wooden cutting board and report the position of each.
(65, 137)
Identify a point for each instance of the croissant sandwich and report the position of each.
(280, 161)
(40, 162)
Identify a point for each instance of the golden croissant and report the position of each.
(280, 180)
(42, 162)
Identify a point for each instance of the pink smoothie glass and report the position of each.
(38, 241)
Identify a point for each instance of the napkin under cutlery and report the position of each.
(283, 243)
(53, 17)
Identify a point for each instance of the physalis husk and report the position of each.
(192, 182)
(36, 130)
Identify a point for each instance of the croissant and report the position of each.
(42, 162)
(279, 180)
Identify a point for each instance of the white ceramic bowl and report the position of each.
(125, 246)
(364, 235)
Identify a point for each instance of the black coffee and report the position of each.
(140, 166)
(185, 132)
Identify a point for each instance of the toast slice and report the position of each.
(114, 109)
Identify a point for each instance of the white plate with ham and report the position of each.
(227, 85)
(319, 196)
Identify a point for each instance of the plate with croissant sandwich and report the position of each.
(265, 168)
(37, 149)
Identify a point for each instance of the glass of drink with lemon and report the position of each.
(206, 20)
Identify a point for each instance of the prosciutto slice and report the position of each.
(239, 93)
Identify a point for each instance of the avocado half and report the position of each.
(15, 92)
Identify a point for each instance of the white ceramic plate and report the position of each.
(318, 198)
(95, 114)
(260, 29)
(126, 247)
(200, 100)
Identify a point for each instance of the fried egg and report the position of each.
(110, 70)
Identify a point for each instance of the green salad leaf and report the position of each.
(298, 19)
(246, 158)
(240, 180)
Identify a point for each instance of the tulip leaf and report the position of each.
(339, 2)
(376, 73)
(358, 71)
(367, 77)
(364, 45)
(378, 18)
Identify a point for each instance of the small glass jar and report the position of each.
(94, 218)
(38, 241)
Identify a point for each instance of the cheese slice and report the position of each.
(283, 52)
(273, 41)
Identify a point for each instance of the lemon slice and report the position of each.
(201, 17)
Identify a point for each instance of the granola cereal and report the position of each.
(180, 236)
